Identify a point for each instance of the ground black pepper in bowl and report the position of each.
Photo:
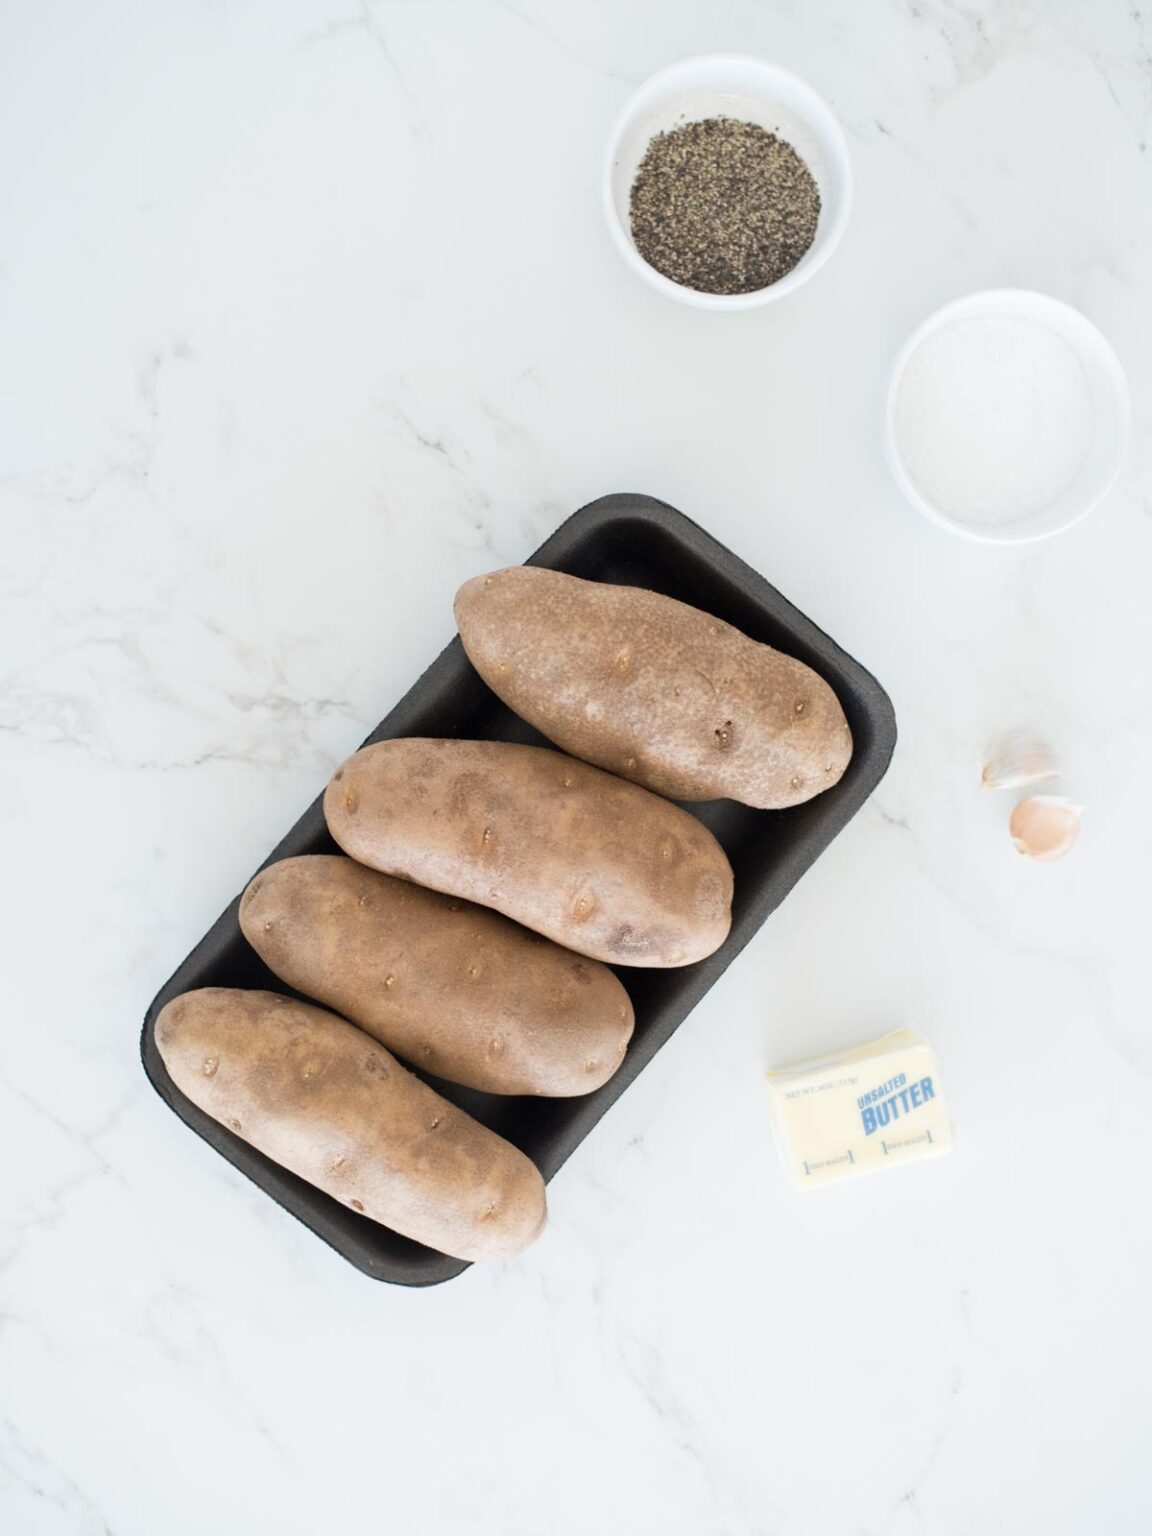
(723, 206)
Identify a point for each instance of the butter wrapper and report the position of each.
(852, 1111)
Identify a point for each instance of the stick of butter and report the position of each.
(856, 1110)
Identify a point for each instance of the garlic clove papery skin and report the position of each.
(1018, 760)
(1044, 827)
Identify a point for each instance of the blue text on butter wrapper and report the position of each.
(879, 1106)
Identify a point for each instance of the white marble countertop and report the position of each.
(307, 313)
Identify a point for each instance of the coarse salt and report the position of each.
(993, 419)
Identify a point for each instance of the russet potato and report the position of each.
(322, 1099)
(653, 689)
(595, 863)
(454, 988)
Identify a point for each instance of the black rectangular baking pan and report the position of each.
(635, 541)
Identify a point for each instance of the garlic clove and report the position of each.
(1044, 827)
(1019, 759)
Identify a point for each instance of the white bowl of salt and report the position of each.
(1007, 416)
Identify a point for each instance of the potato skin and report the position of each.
(452, 987)
(653, 689)
(598, 865)
(316, 1095)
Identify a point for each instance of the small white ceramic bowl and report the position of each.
(730, 85)
(1107, 387)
